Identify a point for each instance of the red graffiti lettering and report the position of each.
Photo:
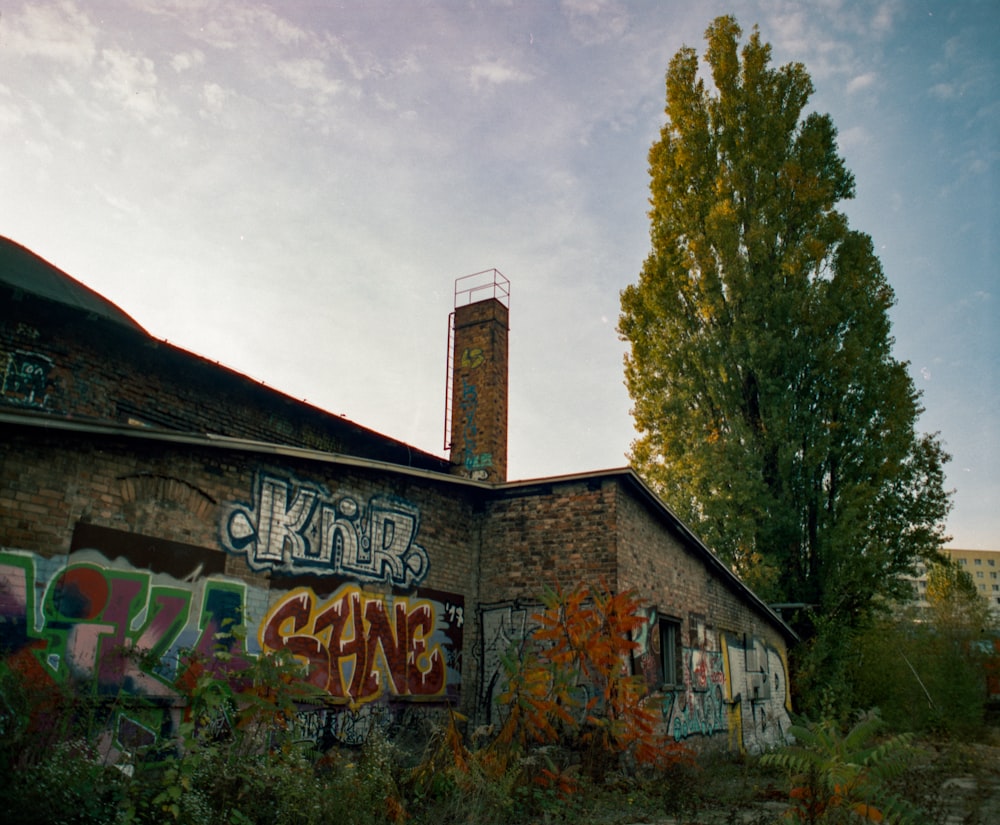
(371, 643)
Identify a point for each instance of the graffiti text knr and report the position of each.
(303, 529)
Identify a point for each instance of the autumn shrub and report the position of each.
(569, 683)
(38, 715)
(453, 783)
(571, 718)
(574, 731)
(53, 772)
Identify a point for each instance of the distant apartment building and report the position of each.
(982, 565)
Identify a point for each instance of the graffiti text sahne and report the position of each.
(359, 645)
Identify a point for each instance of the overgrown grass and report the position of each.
(444, 784)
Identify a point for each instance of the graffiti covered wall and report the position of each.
(468, 405)
(121, 613)
(476, 419)
(26, 378)
(500, 627)
(729, 685)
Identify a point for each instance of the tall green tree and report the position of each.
(772, 415)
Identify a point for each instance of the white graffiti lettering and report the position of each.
(299, 529)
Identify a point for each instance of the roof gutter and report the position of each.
(214, 441)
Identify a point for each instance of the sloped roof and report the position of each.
(23, 270)
(33, 279)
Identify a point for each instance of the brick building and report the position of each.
(150, 498)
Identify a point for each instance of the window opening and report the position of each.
(670, 632)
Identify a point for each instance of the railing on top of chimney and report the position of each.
(480, 286)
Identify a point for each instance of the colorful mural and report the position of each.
(122, 619)
(360, 646)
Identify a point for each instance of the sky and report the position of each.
(292, 189)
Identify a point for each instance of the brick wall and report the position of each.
(571, 530)
(731, 688)
(237, 507)
(50, 481)
(559, 532)
(671, 577)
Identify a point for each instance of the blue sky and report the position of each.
(292, 189)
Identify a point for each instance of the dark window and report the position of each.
(670, 632)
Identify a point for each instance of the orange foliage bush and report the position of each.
(570, 681)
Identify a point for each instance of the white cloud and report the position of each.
(800, 34)
(130, 80)
(882, 20)
(309, 74)
(787, 30)
(861, 82)
(595, 21)
(239, 25)
(213, 100)
(360, 67)
(183, 61)
(10, 113)
(954, 48)
(496, 73)
(942, 91)
(117, 202)
(39, 150)
(279, 28)
(213, 96)
(59, 32)
(853, 137)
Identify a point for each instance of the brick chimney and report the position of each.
(476, 413)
